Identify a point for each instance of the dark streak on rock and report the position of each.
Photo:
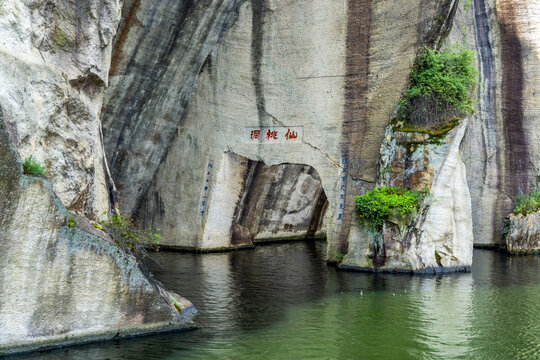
(118, 50)
(487, 113)
(257, 32)
(355, 112)
(487, 65)
(10, 175)
(517, 167)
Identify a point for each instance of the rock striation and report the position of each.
(439, 237)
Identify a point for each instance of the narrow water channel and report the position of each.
(283, 302)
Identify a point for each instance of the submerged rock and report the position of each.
(523, 236)
(439, 237)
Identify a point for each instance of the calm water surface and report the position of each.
(284, 302)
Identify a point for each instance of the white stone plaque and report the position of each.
(274, 135)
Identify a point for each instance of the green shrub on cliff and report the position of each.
(130, 238)
(527, 204)
(441, 85)
(378, 204)
(32, 167)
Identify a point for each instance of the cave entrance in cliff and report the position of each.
(278, 203)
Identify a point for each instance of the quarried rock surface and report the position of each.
(439, 237)
(523, 235)
(62, 284)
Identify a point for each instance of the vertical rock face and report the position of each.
(439, 237)
(255, 65)
(504, 138)
(61, 285)
(55, 58)
(523, 235)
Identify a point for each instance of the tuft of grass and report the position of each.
(527, 204)
(380, 203)
(33, 167)
(129, 237)
(441, 86)
(71, 221)
(339, 256)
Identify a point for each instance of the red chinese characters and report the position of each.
(291, 134)
(271, 134)
(255, 134)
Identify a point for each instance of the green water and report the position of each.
(284, 302)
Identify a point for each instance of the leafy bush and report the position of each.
(130, 238)
(527, 204)
(378, 204)
(441, 83)
(32, 167)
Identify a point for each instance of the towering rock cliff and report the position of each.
(255, 71)
(63, 282)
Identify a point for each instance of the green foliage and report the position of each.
(467, 4)
(339, 256)
(378, 204)
(32, 167)
(527, 204)
(441, 84)
(71, 221)
(130, 238)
